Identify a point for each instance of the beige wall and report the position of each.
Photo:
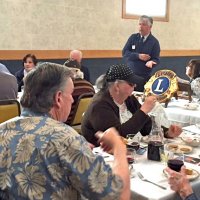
(90, 24)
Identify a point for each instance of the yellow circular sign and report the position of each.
(163, 84)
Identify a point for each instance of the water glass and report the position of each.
(165, 155)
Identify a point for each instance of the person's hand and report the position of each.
(110, 139)
(179, 182)
(144, 57)
(91, 145)
(150, 64)
(174, 131)
(148, 104)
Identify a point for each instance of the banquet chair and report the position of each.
(184, 87)
(83, 102)
(8, 109)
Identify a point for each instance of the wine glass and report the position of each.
(133, 141)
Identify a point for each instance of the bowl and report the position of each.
(191, 141)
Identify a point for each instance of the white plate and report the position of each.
(193, 176)
(193, 141)
(191, 106)
(179, 148)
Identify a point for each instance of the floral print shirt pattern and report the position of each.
(41, 158)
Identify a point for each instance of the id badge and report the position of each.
(133, 46)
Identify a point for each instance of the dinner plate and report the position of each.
(191, 106)
(193, 176)
(193, 141)
(179, 148)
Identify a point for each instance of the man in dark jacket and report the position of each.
(142, 51)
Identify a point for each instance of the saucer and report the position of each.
(195, 174)
(179, 148)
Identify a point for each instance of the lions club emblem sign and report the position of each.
(163, 84)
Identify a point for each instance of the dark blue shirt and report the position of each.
(191, 197)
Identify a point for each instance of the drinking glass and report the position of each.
(165, 155)
(133, 141)
(131, 155)
(175, 164)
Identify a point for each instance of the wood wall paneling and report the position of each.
(63, 54)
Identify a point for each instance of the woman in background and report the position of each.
(193, 71)
(29, 62)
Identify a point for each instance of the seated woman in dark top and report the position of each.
(115, 106)
(29, 62)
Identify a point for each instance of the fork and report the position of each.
(144, 179)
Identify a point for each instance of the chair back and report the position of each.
(9, 109)
(184, 87)
(83, 102)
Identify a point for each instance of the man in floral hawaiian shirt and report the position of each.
(42, 158)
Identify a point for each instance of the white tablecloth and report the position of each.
(153, 170)
(178, 114)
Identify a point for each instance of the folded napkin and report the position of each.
(107, 157)
(192, 129)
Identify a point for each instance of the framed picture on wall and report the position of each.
(158, 9)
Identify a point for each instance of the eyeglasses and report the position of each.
(130, 84)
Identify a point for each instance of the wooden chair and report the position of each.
(184, 87)
(9, 109)
(83, 102)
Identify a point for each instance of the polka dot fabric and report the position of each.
(120, 72)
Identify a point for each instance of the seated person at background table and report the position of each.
(77, 55)
(115, 106)
(81, 86)
(193, 72)
(8, 84)
(43, 158)
(180, 183)
(29, 62)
